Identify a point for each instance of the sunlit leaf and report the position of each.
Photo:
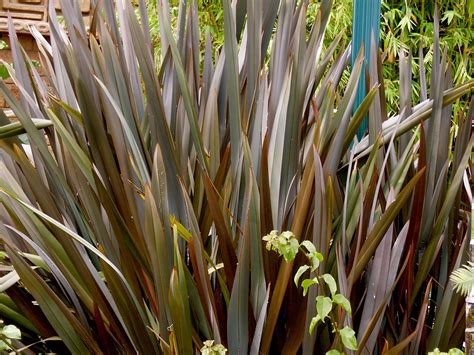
(348, 338)
(323, 306)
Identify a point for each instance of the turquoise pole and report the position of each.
(365, 20)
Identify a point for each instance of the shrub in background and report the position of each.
(405, 26)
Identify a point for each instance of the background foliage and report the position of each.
(405, 25)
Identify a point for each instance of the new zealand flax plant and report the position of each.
(134, 197)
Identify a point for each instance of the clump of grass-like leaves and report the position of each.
(134, 198)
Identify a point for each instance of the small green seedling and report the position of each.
(210, 348)
(286, 245)
(7, 333)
